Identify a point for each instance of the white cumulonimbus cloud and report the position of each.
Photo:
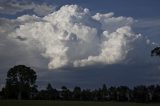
(72, 37)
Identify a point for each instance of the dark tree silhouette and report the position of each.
(155, 51)
(52, 93)
(140, 94)
(87, 95)
(65, 93)
(77, 93)
(156, 93)
(49, 92)
(20, 82)
(113, 93)
(123, 93)
(105, 93)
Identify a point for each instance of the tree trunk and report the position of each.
(19, 96)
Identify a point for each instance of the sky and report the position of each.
(81, 42)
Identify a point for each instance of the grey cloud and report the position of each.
(12, 53)
(21, 38)
(15, 6)
(145, 23)
(112, 75)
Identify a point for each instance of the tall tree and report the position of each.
(140, 94)
(105, 95)
(123, 93)
(20, 82)
(51, 92)
(77, 93)
(65, 93)
(113, 93)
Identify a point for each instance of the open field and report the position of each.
(67, 103)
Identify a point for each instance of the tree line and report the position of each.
(121, 94)
(21, 84)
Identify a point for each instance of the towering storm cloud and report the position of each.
(72, 37)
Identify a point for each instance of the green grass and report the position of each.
(67, 103)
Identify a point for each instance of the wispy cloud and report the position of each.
(15, 6)
(148, 23)
(149, 27)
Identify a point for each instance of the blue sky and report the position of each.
(136, 9)
(137, 67)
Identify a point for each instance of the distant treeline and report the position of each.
(122, 93)
(20, 84)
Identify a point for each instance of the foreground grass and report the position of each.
(67, 103)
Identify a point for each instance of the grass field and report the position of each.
(68, 103)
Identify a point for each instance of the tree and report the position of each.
(123, 93)
(52, 93)
(105, 94)
(140, 94)
(87, 95)
(155, 51)
(156, 94)
(113, 93)
(102, 94)
(49, 92)
(20, 82)
(65, 93)
(77, 93)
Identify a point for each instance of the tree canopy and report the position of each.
(155, 51)
(20, 82)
